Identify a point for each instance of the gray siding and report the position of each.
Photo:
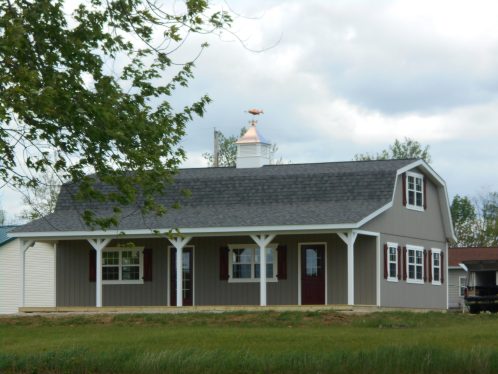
(401, 221)
(405, 226)
(410, 295)
(75, 289)
(365, 267)
(455, 300)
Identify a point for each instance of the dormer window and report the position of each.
(415, 191)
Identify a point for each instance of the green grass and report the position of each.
(265, 342)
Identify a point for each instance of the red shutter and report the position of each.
(425, 193)
(147, 265)
(399, 262)
(223, 263)
(403, 177)
(404, 263)
(429, 264)
(441, 263)
(282, 262)
(385, 261)
(92, 265)
(425, 265)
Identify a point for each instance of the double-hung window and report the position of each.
(244, 263)
(122, 266)
(436, 266)
(392, 262)
(415, 264)
(415, 191)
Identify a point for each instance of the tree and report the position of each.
(407, 149)
(40, 200)
(91, 87)
(464, 218)
(476, 221)
(227, 153)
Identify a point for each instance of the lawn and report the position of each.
(256, 342)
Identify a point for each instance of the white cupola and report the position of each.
(253, 150)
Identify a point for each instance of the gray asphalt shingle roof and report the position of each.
(294, 194)
(3, 234)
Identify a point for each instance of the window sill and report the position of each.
(123, 282)
(393, 280)
(251, 280)
(436, 283)
(415, 281)
(415, 207)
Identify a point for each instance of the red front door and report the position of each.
(313, 274)
(188, 283)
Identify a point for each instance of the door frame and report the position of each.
(170, 249)
(299, 293)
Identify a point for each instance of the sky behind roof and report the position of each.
(351, 76)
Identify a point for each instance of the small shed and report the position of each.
(39, 281)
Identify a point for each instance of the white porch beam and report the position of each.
(262, 240)
(98, 244)
(349, 238)
(24, 246)
(179, 243)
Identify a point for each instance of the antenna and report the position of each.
(216, 150)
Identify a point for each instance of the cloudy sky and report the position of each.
(351, 76)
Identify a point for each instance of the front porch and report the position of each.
(217, 272)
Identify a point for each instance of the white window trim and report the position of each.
(436, 250)
(408, 279)
(460, 285)
(389, 278)
(414, 206)
(140, 279)
(253, 279)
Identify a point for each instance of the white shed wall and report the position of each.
(40, 276)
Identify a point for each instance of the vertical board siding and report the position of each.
(337, 270)
(75, 289)
(365, 267)
(412, 295)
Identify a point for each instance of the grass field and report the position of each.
(258, 342)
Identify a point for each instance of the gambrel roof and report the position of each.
(294, 194)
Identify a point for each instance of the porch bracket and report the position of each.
(262, 240)
(24, 246)
(349, 238)
(98, 244)
(179, 242)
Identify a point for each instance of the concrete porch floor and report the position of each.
(214, 309)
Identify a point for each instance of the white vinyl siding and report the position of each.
(39, 276)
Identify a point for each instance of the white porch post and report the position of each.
(349, 238)
(262, 241)
(25, 245)
(179, 243)
(98, 245)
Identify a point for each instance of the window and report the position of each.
(462, 284)
(436, 266)
(392, 262)
(244, 263)
(122, 265)
(415, 264)
(415, 191)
